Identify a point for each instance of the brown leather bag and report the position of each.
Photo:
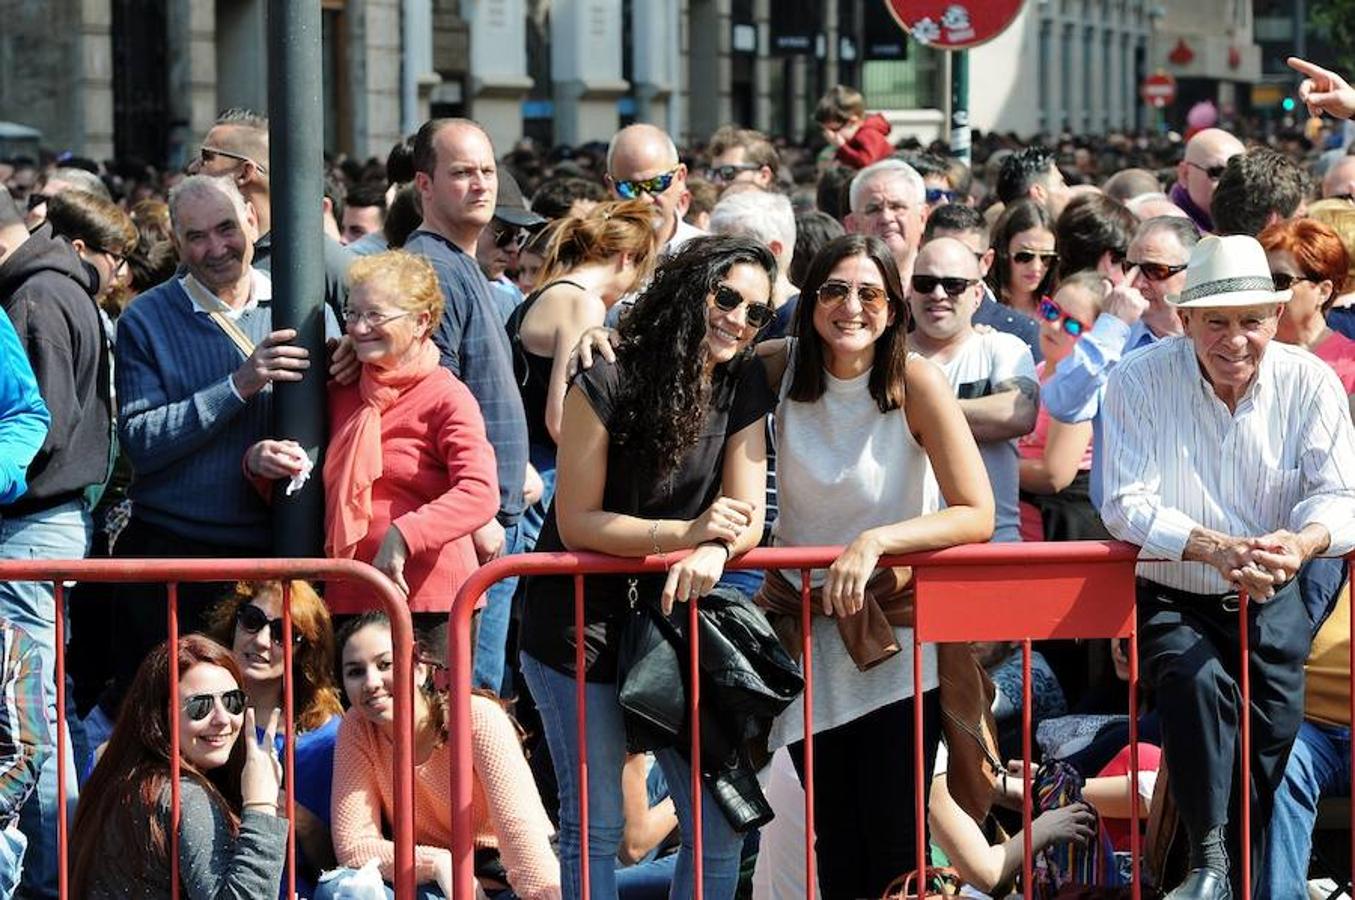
(947, 881)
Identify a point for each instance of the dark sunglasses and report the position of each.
(1026, 257)
(506, 236)
(939, 195)
(953, 286)
(207, 154)
(200, 706)
(1052, 312)
(35, 200)
(1284, 281)
(728, 300)
(731, 171)
(631, 188)
(835, 293)
(252, 619)
(1151, 270)
(1214, 172)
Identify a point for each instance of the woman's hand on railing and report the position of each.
(261, 776)
(694, 575)
(724, 520)
(844, 590)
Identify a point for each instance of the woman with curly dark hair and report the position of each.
(660, 451)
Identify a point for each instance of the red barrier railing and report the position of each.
(1068, 590)
(173, 572)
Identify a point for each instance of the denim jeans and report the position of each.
(12, 845)
(1319, 766)
(62, 532)
(491, 639)
(554, 694)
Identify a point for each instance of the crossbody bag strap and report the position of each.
(207, 300)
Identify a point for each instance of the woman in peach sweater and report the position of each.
(409, 474)
(507, 809)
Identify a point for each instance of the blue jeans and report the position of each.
(491, 640)
(12, 845)
(1319, 766)
(62, 532)
(554, 696)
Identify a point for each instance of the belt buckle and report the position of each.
(1230, 602)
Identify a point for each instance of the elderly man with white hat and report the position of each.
(1233, 457)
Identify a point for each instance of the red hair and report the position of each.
(118, 820)
(1317, 249)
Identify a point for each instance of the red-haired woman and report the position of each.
(231, 840)
(1310, 259)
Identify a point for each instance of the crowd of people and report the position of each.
(638, 350)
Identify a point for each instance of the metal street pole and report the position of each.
(959, 105)
(296, 155)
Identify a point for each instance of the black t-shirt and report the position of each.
(739, 399)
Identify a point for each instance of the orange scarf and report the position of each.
(353, 463)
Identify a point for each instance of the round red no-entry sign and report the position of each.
(1158, 90)
(953, 24)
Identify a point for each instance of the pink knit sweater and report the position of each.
(505, 806)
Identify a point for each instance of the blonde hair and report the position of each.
(410, 278)
(605, 232)
(1339, 216)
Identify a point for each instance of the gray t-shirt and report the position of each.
(983, 361)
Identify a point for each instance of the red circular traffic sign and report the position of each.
(954, 24)
(1158, 90)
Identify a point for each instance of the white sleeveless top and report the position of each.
(842, 467)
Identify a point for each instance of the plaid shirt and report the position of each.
(24, 742)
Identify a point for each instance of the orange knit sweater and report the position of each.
(506, 807)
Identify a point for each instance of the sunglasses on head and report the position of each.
(1284, 281)
(1151, 270)
(953, 286)
(1214, 172)
(939, 195)
(835, 293)
(727, 299)
(1052, 312)
(630, 188)
(253, 620)
(730, 172)
(200, 706)
(1026, 257)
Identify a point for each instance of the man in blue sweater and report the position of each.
(196, 360)
(456, 176)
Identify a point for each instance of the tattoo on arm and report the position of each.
(1028, 388)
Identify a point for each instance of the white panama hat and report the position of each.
(1228, 271)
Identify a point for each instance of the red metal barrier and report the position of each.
(171, 573)
(1068, 590)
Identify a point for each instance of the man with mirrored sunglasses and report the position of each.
(992, 373)
(642, 163)
(1134, 314)
(1198, 174)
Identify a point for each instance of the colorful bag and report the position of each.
(1069, 866)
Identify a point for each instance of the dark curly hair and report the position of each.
(664, 390)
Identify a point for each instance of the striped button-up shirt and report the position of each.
(24, 742)
(1176, 459)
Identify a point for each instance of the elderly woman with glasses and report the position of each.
(232, 841)
(409, 474)
(249, 622)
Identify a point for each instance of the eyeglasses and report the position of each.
(1151, 270)
(1346, 197)
(1052, 312)
(1284, 281)
(35, 200)
(722, 174)
(631, 188)
(253, 620)
(835, 293)
(207, 154)
(1026, 257)
(372, 318)
(727, 300)
(939, 195)
(953, 286)
(200, 706)
(506, 236)
(1214, 172)
(119, 260)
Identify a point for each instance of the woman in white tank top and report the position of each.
(866, 434)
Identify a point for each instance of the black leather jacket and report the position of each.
(747, 679)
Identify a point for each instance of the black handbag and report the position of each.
(650, 678)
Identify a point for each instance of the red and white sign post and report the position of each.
(1158, 90)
